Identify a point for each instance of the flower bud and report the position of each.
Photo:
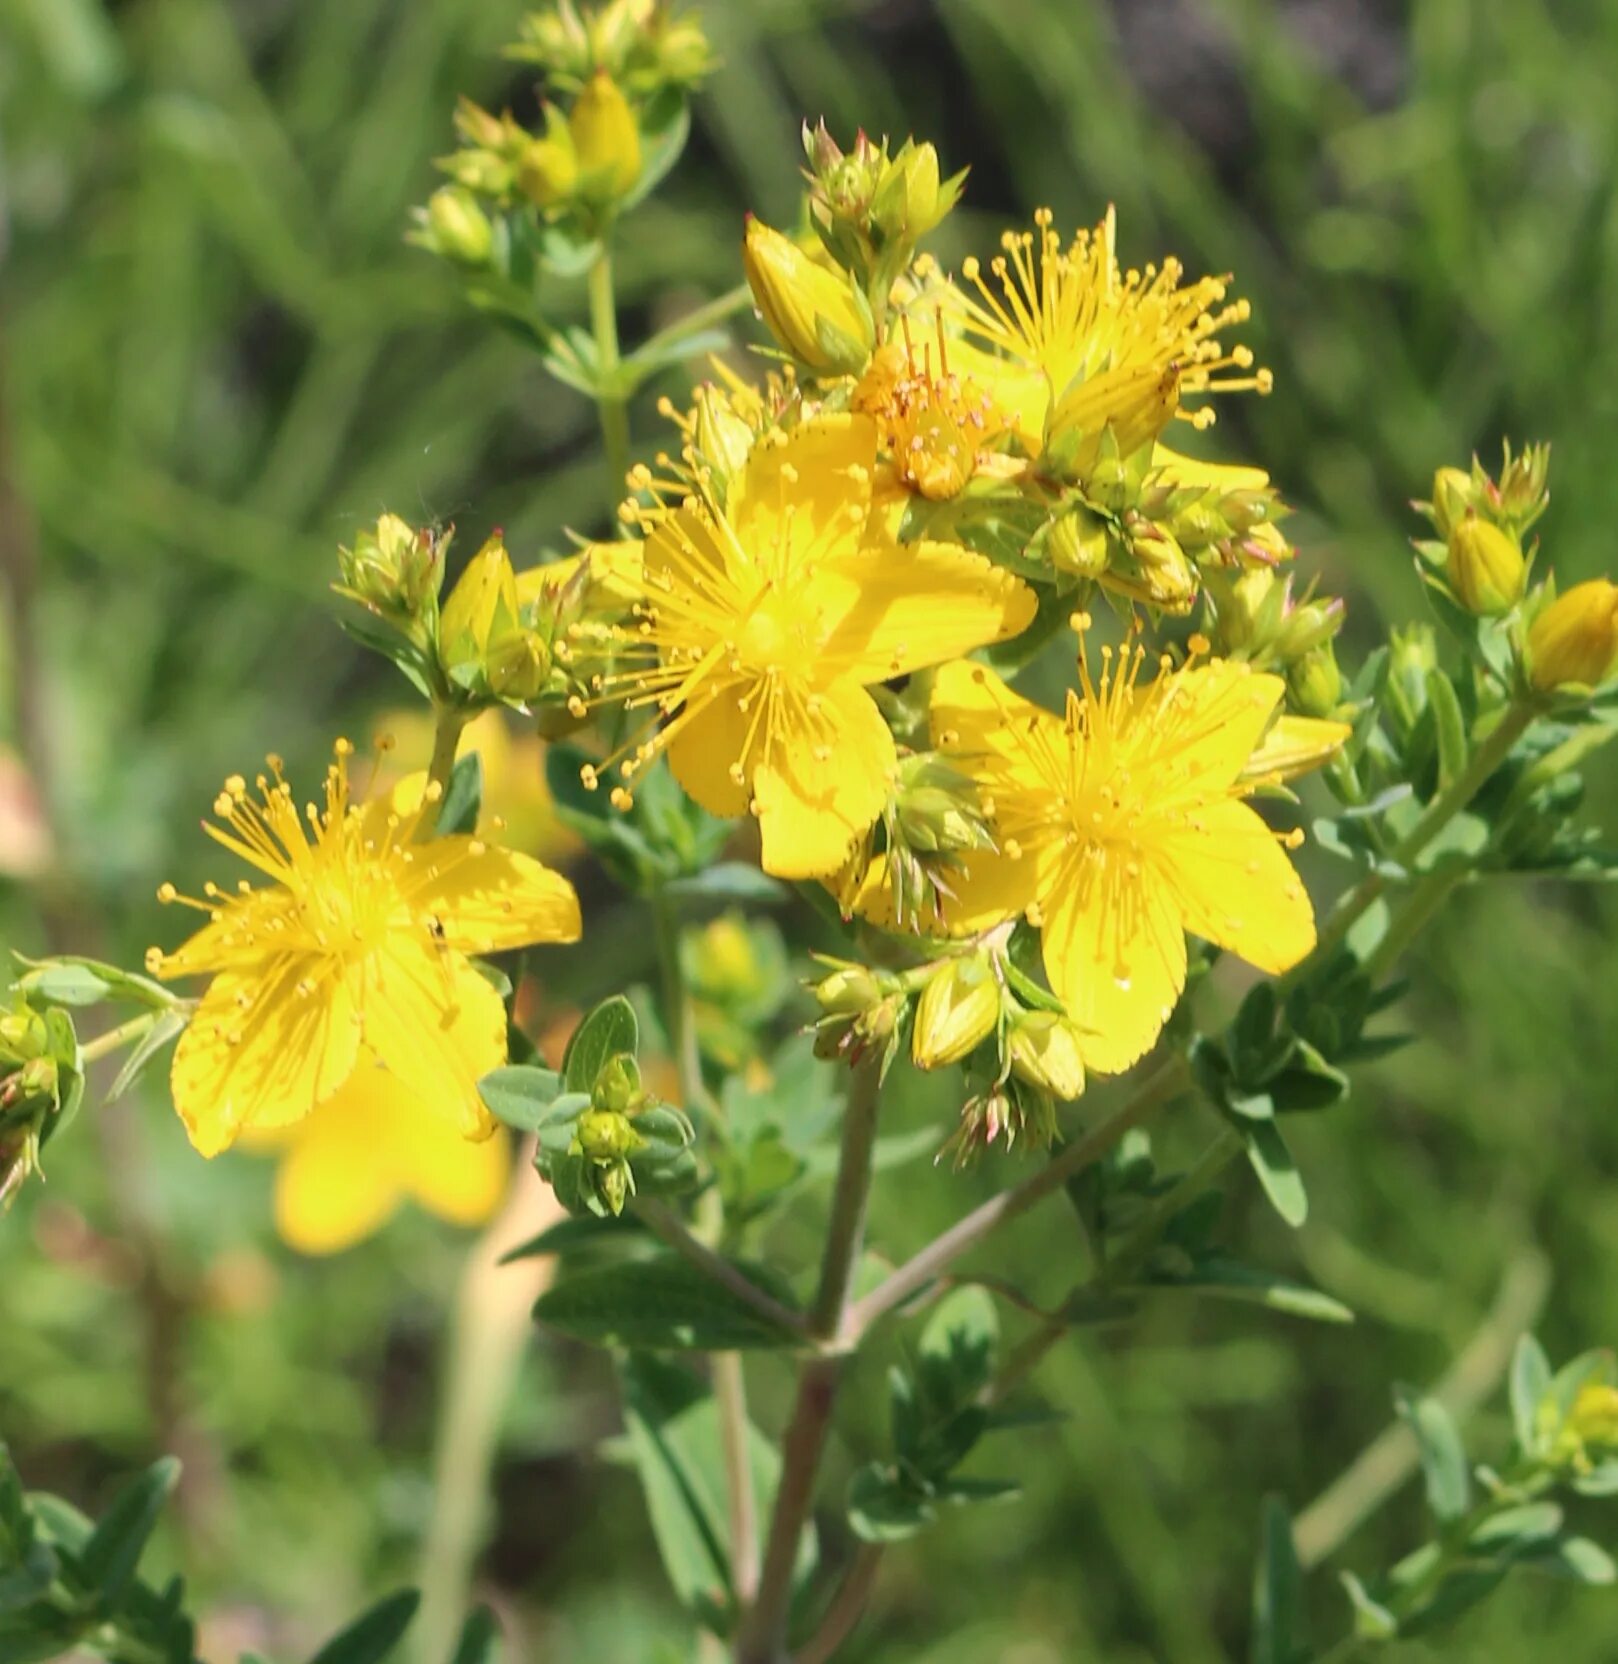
(959, 1007)
(1316, 682)
(910, 198)
(1452, 499)
(516, 663)
(721, 438)
(606, 1135)
(394, 569)
(1574, 641)
(606, 140)
(480, 642)
(1045, 1052)
(849, 990)
(458, 227)
(811, 311)
(548, 168)
(1078, 542)
(1486, 568)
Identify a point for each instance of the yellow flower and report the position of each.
(763, 625)
(1574, 641)
(1069, 343)
(356, 949)
(1121, 828)
(345, 1169)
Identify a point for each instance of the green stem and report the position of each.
(715, 311)
(730, 1399)
(1165, 1083)
(664, 1223)
(761, 1637)
(845, 1234)
(677, 1015)
(115, 1039)
(1429, 894)
(611, 404)
(1494, 750)
(449, 720)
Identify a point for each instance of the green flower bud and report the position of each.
(617, 1087)
(1045, 1052)
(1453, 499)
(458, 227)
(606, 1135)
(1486, 568)
(1079, 542)
(959, 1007)
(1316, 682)
(393, 568)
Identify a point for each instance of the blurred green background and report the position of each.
(218, 358)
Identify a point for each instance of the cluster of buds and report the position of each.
(862, 1012)
(1255, 616)
(396, 571)
(1147, 532)
(598, 1149)
(818, 315)
(39, 1078)
(1478, 558)
(872, 209)
(642, 44)
(932, 819)
(624, 71)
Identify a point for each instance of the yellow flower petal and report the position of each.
(258, 1051)
(814, 801)
(798, 497)
(437, 1023)
(1237, 888)
(912, 604)
(1000, 735)
(1114, 950)
(1293, 746)
(1174, 469)
(459, 1179)
(337, 1183)
(708, 744)
(1219, 714)
(234, 937)
(486, 898)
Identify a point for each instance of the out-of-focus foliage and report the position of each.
(219, 359)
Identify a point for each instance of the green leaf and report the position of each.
(1443, 1456)
(1577, 1559)
(463, 797)
(70, 980)
(521, 1096)
(608, 1031)
(411, 661)
(1277, 1587)
(729, 881)
(371, 1637)
(958, 1345)
(662, 1304)
(1601, 1480)
(1222, 1277)
(1372, 1620)
(479, 1641)
(1530, 1381)
(586, 1231)
(1271, 1159)
(884, 1508)
(1448, 725)
(165, 1027)
(674, 1433)
(110, 1557)
(1517, 1530)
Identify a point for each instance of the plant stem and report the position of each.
(714, 311)
(730, 1398)
(611, 405)
(1518, 718)
(846, 1609)
(115, 1039)
(1429, 894)
(483, 1346)
(845, 1234)
(682, 1031)
(1384, 1465)
(761, 1636)
(1163, 1084)
(448, 721)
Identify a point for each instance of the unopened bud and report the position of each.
(848, 991)
(811, 311)
(606, 140)
(1316, 682)
(1486, 568)
(617, 1087)
(721, 438)
(458, 226)
(959, 1007)
(1574, 642)
(1078, 542)
(910, 199)
(606, 1135)
(393, 568)
(548, 167)
(482, 607)
(1045, 1052)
